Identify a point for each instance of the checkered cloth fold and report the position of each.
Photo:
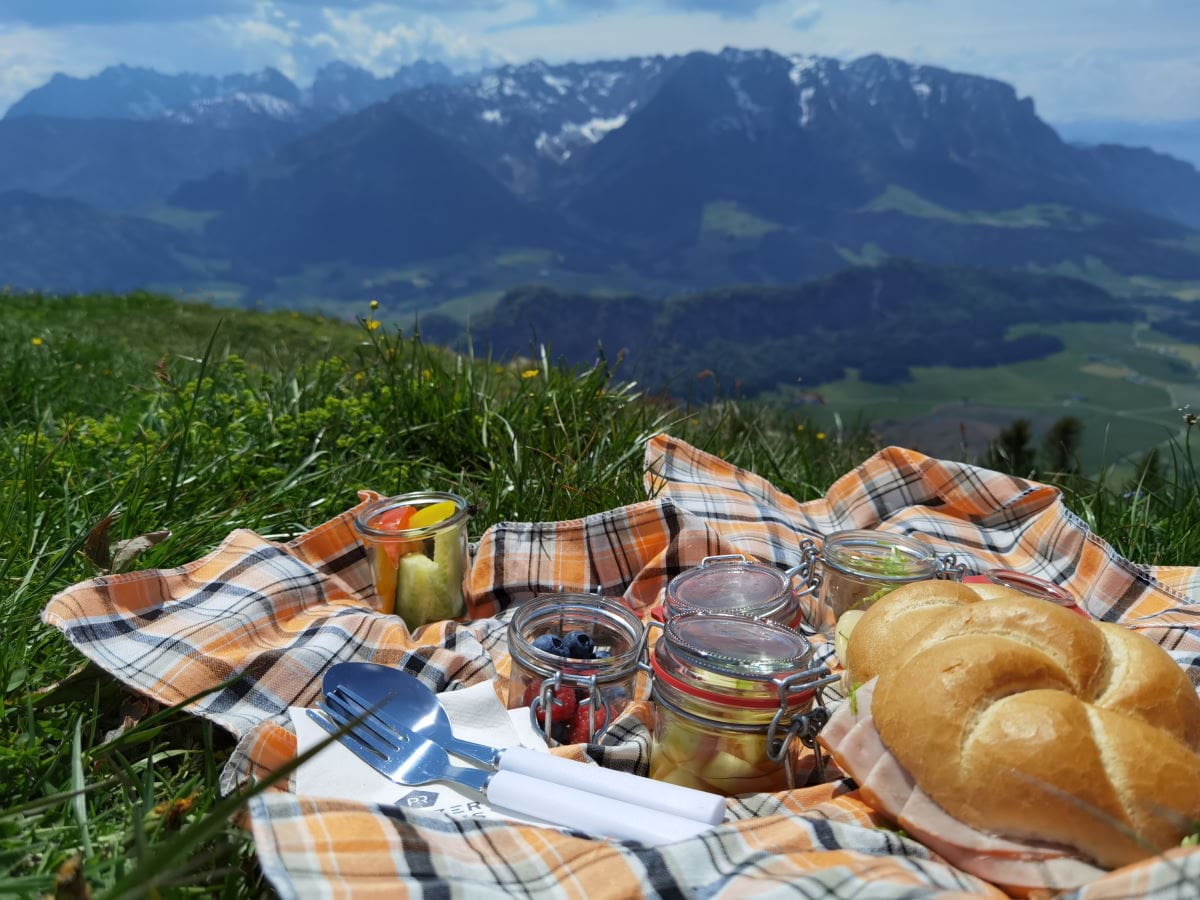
(261, 621)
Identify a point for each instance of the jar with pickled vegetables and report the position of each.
(416, 544)
(577, 656)
(734, 584)
(859, 567)
(729, 693)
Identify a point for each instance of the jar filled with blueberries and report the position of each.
(574, 663)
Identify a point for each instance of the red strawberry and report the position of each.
(563, 701)
(580, 722)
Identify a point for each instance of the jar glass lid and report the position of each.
(726, 586)
(1030, 585)
(879, 556)
(758, 649)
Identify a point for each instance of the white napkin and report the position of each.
(476, 714)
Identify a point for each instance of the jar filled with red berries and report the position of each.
(574, 663)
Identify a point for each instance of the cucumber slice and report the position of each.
(448, 556)
(420, 589)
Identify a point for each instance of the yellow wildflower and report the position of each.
(374, 304)
(530, 373)
(371, 324)
(820, 435)
(37, 342)
(799, 427)
(427, 374)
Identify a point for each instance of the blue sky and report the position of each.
(1078, 59)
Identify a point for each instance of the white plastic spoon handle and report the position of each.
(685, 802)
(590, 813)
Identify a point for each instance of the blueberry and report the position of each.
(551, 643)
(579, 645)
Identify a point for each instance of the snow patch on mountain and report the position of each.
(223, 110)
(573, 135)
(562, 85)
(743, 99)
(801, 66)
(806, 105)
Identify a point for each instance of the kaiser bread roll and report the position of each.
(1021, 718)
(894, 618)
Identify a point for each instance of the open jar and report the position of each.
(734, 584)
(417, 546)
(583, 693)
(859, 567)
(731, 693)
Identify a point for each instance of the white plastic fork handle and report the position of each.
(590, 813)
(675, 799)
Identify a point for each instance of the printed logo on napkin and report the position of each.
(476, 714)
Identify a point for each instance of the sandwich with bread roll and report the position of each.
(1023, 743)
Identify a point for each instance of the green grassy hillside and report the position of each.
(200, 420)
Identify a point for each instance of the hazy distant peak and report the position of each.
(340, 70)
(265, 81)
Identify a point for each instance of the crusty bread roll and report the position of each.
(895, 618)
(1021, 718)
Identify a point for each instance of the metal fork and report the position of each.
(407, 758)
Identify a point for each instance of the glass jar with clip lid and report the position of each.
(731, 695)
(734, 584)
(577, 656)
(858, 567)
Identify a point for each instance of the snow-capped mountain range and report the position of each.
(746, 165)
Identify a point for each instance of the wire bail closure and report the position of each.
(949, 568)
(805, 726)
(806, 569)
(546, 700)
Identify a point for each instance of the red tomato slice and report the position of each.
(395, 519)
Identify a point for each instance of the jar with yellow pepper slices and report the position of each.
(730, 693)
(416, 545)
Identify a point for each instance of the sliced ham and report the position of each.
(1019, 876)
(854, 742)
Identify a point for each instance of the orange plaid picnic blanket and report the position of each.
(280, 614)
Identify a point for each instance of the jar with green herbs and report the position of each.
(859, 567)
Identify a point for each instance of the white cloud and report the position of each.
(29, 56)
(806, 15)
(379, 37)
(1077, 58)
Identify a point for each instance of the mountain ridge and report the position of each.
(652, 173)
